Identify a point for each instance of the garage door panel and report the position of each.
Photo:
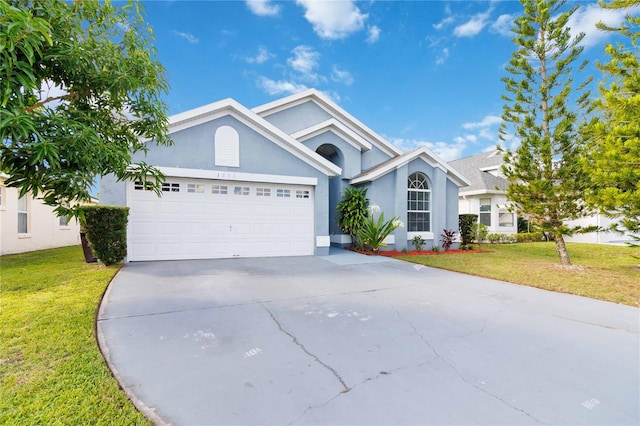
(184, 225)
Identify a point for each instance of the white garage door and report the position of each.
(208, 219)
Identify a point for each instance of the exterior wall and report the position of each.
(298, 117)
(373, 157)
(605, 237)
(471, 204)
(350, 156)
(193, 148)
(44, 230)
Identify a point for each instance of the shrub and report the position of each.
(480, 231)
(352, 212)
(447, 237)
(465, 223)
(418, 242)
(435, 249)
(373, 232)
(106, 228)
(527, 237)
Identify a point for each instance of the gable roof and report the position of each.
(424, 153)
(206, 113)
(477, 168)
(334, 110)
(336, 127)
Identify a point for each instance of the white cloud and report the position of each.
(488, 121)
(445, 22)
(486, 128)
(442, 56)
(341, 76)
(50, 90)
(473, 26)
(263, 7)
(503, 25)
(446, 151)
(280, 87)
(304, 61)
(584, 20)
(333, 19)
(374, 34)
(334, 96)
(261, 57)
(187, 36)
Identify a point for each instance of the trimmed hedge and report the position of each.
(528, 237)
(106, 228)
(465, 222)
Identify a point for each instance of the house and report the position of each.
(486, 195)
(27, 224)
(265, 181)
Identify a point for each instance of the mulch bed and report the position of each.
(395, 253)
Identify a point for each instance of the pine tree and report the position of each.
(542, 106)
(614, 150)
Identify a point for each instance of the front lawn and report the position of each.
(609, 273)
(51, 371)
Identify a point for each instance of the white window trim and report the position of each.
(27, 213)
(428, 190)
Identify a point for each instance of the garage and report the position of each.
(210, 218)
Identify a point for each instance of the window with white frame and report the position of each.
(195, 188)
(283, 193)
(485, 211)
(171, 187)
(418, 204)
(241, 190)
(219, 189)
(302, 193)
(63, 221)
(263, 192)
(23, 215)
(505, 217)
(142, 186)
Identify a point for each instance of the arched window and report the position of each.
(418, 204)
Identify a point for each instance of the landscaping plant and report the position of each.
(447, 238)
(106, 228)
(418, 242)
(465, 223)
(352, 213)
(373, 232)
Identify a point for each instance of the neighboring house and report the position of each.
(486, 196)
(27, 224)
(604, 236)
(265, 182)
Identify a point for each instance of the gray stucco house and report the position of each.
(265, 182)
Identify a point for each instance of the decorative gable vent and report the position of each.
(227, 147)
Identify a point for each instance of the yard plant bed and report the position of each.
(606, 272)
(51, 371)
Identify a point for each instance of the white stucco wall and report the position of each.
(44, 230)
(605, 237)
(470, 204)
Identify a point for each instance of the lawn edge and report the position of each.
(143, 408)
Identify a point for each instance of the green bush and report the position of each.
(106, 228)
(465, 223)
(528, 237)
(480, 232)
(352, 212)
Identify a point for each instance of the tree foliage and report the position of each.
(542, 106)
(614, 134)
(80, 92)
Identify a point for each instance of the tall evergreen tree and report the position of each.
(542, 105)
(614, 151)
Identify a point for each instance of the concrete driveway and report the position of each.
(349, 339)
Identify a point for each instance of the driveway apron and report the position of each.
(351, 339)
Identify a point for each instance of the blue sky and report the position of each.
(417, 72)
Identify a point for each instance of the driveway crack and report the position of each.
(305, 350)
(455, 370)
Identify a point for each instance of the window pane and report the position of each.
(485, 218)
(505, 218)
(22, 223)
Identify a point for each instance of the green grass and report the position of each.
(51, 371)
(610, 272)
